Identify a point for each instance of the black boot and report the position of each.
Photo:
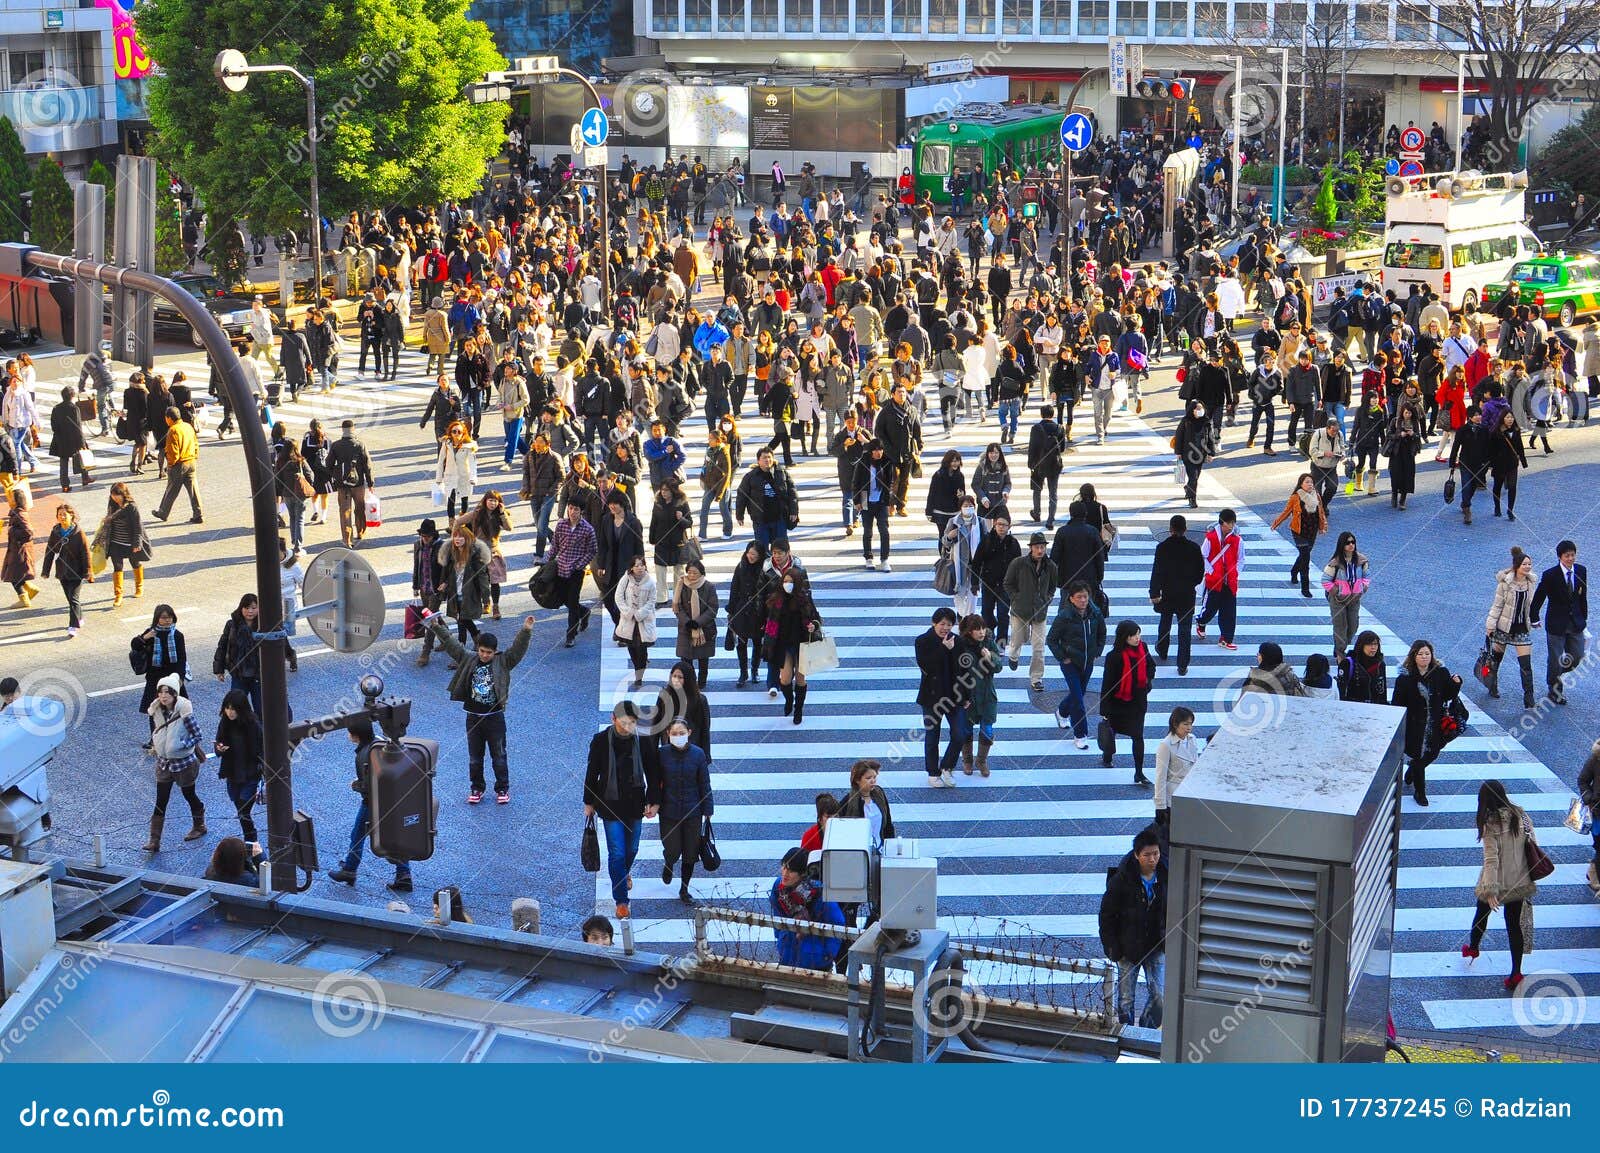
(1419, 785)
(1525, 667)
(788, 699)
(1494, 673)
(799, 703)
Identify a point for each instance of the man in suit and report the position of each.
(936, 696)
(1176, 572)
(1565, 587)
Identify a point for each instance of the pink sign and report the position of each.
(129, 58)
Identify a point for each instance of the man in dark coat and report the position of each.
(294, 356)
(1046, 444)
(936, 696)
(900, 430)
(67, 441)
(1079, 554)
(1176, 572)
(1565, 588)
(622, 786)
(1133, 926)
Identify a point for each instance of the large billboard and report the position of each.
(130, 63)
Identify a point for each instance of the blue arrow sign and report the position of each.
(1077, 133)
(1391, 167)
(595, 127)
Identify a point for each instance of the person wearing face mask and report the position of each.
(238, 655)
(960, 543)
(683, 699)
(686, 803)
(789, 619)
(622, 786)
(1195, 443)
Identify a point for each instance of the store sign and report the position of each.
(1117, 48)
(128, 58)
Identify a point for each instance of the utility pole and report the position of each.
(1280, 179)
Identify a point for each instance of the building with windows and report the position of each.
(57, 79)
(1386, 62)
(581, 32)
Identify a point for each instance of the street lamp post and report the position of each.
(1462, 59)
(1280, 180)
(233, 73)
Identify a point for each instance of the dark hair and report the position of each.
(487, 640)
(597, 924)
(1410, 663)
(1270, 654)
(9, 686)
(827, 805)
(248, 600)
(1565, 546)
(1346, 537)
(1047, 412)
(1179, 523)
(795, 860)
(1227, 516)
(458, 907)
(228, 860)
(1366, 637)
(1126, 631)
(1079, 586)
(240, 700)
(155, 617)
(1146, 837)
(944, 613)
(1317, 670)
(953, 457)
(1178, 716)
(1492, 801)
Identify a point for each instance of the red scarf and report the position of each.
(1133, 665)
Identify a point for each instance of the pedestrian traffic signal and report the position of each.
(400, 797)
(1164, 87)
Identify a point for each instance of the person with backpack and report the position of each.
(1133, 926)
(350, 467)
(1363, 676)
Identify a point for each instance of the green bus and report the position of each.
(983, 134)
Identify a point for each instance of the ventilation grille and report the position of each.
(1372, 888)
(1257, 929)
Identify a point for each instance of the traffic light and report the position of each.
(1164, 87)
(400, 796)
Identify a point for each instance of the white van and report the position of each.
(1455, 244)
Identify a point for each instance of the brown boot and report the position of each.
(199, 829)
(138, 580)
(422, 660)
(966, 757)
(116, 589)
(984, 745)
(157, 821)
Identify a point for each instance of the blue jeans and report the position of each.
(22, 438)
(1071, 705)
(1010, 410)
(252, 686)
(622, 846)
(541, 518)
(1155, 981)
(513, 436)
(723, 503)
(767, 533)
(848, 511)
(1338, 413)
(358, 844)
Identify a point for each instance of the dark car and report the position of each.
(231, 310)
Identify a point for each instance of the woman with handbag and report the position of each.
(1507, 880)
(487, 522)
(121, 534)
(1511, 621)
(1308, 519)
(686, 802)
(179, 748)
(635, 599)
(456, 470)
(314, 448)
(1095, 514)
(682, 699)
(68, 552)
(1125, 685)
(296, 483)
(465, 560)
(789, 620)
(1426, 690)
(671, 536)
(695, 605)
(991, 484)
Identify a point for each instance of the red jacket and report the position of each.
(1223, 556)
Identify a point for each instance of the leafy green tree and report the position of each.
(393, 125)
(1325, 210)
(1570, 159)
(103, 176)
(52, 208)
(13, 183)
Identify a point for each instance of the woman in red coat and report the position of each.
(1452, 398)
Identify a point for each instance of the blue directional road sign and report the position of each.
(595, 126)
(1077, 132)
(1391, 167)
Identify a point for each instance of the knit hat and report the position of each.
(171, 681)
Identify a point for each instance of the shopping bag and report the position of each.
(1180, 475)
(374, 511)
(414, 622)
(818, 656)
(97, 558)
(1579, 819)
(589, 848)
(86, 457)
(710, 856)
(437, 496)
(1450, 489)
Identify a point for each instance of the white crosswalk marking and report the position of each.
(1023, 854)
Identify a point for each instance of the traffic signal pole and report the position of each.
(264, 519)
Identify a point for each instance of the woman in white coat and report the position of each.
(975, 377)
(808, 406)
(1588, 381)
(456, 470)
(636, 615)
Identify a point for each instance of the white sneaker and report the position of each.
(1082, 742)
(772, 694)
(939, 782)
(871, 564)
(885, 567)
(948, 778)
(72, 632)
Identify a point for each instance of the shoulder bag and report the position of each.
(710, 856)
(589, 847)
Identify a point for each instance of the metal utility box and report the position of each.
(404, 811)
(27, 921)
(847, 860)
(908, 888)
(31, 729)
(1285, 840)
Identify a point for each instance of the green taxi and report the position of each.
(1558, 285)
